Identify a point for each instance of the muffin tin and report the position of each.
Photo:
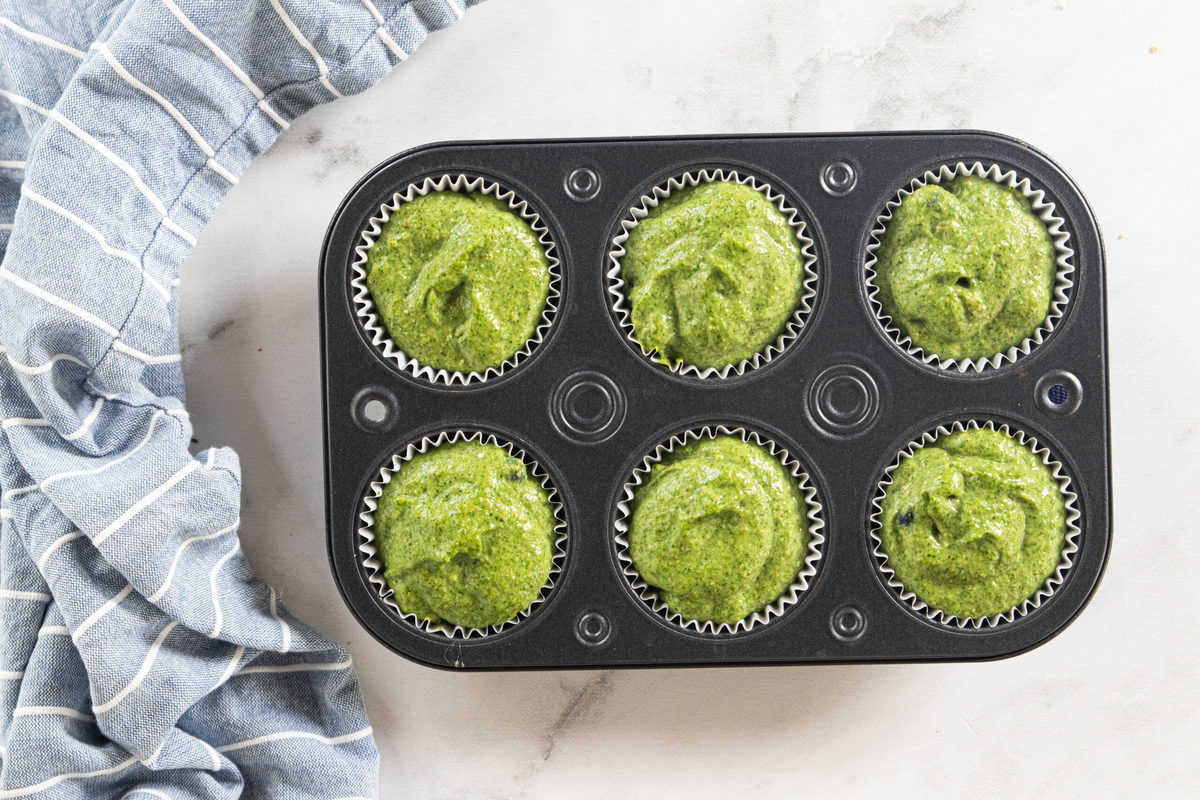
(587, 406)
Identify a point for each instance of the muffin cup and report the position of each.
(369, 553)
(1070, 542)
(364, 304)
(1064, 278)
(639, 211)
(649, 595)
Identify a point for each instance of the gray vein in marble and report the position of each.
(581, 701)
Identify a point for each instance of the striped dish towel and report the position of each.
(139, 656)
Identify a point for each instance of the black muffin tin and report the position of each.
(588, 406)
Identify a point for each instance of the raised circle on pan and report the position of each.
(582, 184)
(592, 628)
(843, 399)
(848, 623)
(839, 178)
(374, 409)
(1059, 392)
(587, 406)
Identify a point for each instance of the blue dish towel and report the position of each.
(139, 656)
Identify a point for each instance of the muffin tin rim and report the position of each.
(478, 153)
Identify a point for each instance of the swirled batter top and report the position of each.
(465, 534)
(720, 528)
(973, 524)
(966, 268)
(713, 274)
(459, 279)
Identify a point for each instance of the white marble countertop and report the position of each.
(1107, 88)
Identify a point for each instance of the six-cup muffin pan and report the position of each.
(842, 397)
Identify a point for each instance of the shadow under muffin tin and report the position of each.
(842, 398)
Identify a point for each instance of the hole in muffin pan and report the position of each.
(842, 397)
(1059, 392)
(374, 409)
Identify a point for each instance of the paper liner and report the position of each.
(648, 202)
(1070, 542)
(364, 304)
(373, 566)
(1064, 278)
(649, 595)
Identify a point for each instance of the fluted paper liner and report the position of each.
(364, 305)
(1070, 542)
(642, 208)
(373, 566)
(649, 594)
(1064, 278)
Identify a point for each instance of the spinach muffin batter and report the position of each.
(465, 534)
(720, 528)
(713, 274)
(965, 268)
(460, 280)
(973, 523)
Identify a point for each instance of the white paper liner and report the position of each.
(373, 566)
(364, 304)
(791, 595)
(1070, 542)
(648, 202)
(1064, 278)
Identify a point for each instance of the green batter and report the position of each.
(465, 534)
(720, 528)
(966, 269)
(973, 524)
(713, 274)
(460, 280)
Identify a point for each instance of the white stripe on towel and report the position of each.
(6, 794)
(116, 160)
(86, 316)
(212, 583)
(85, 473)
(151, 792)
(275, 737)
(170, 108)
(11, 675)
(56, 711)
(142, 673)
(458, 12)
(91, 231)
(27, 369)
(41, 38)
(53, 630)
(12, 164)
(100, 612)
(144, 503)
(162, 590)
(24, 422)
(326, 667)
(233, 662)
(229, 63)
(285, 630)
(57, 543)
(303, 41)
(88, 421)
(383, 34)
(14, 594)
